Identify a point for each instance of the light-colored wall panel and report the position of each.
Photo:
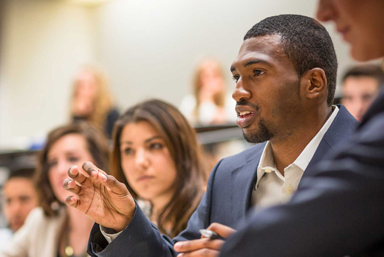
(44, 42)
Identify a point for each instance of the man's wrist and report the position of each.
(125, 221)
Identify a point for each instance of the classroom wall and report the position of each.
(43, 44)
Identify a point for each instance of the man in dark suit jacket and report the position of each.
(284, 93)
(340, 210)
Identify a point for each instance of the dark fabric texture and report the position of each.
(112, 116)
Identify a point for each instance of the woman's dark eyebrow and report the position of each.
(152, 138)
(146, 141)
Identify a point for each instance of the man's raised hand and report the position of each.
(100, 196)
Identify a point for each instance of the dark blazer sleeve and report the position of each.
(112, 117)
(142, 238)
(337, 212)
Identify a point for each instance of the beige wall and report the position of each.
(43, 44)
(148, 47)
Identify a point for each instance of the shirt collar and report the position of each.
(267, 164)
(306, 155)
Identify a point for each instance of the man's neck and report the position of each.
(286, 150)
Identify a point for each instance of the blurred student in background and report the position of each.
(53, 229)
(157, 156)
(210, 103)
(19, 198)
(92, 100)
(361, 85)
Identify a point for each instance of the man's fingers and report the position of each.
(96, 174)
(198, 244)
(115, 186)
(72, 201)
(90, 169)
(71, 186)
(200, 253)
(111, 183)
(221, 230)
(75, 173)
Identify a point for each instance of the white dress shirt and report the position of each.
(271, 186)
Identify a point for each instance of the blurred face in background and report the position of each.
(20, 198)
(86, 84)
(211, 78)
(146, 162)
(358, 94)
(69, 150)
(86, 90)
(361, 24)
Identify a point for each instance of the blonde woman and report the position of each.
(210, 103)
(92, 101)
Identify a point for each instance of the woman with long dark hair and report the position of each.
(156, 154)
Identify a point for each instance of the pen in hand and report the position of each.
(209, 234)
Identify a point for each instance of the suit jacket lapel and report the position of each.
(242, 181)
(341, 129)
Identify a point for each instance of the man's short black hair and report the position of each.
(367, 70)
(306, 43)
(22, 173)
(22, 167)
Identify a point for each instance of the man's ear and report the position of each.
(315, 83)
